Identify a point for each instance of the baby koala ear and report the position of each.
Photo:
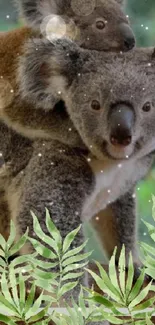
(34, 11)
(47, 69)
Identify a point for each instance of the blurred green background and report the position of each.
(142, 18)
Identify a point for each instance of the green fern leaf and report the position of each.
(71, 276)
(66, 288)
(142, 295)
(69, 239)
(75, 259)
(42, 250)
(46, 239)
(54, 232)
(20, 243)
(12, 236)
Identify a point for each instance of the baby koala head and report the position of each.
(110, 98)
(93, 24)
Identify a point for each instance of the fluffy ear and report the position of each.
(34, 11)
(47, 69)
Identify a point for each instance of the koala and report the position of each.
(112, 109)
(113, 36)
(93, 24)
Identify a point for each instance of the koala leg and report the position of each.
(58, 179)
(116, 225)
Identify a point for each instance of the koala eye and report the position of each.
(147, 107)
(95, 105)
(100, 24)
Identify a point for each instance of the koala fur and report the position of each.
(78, 20)
(113, 37)
(92, 179)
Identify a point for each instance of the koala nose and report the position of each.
(128, 36)
(129, 43)
(121, 121)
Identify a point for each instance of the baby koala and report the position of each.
(109, 147)
(93, 24)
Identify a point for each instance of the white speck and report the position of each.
(22, 172)
(146, 27)
(109, 202)
(69, 129)
(119, 110)
(7, 16)
(143, 89)
(43, 144)
(85, 95)
(102, 171)
(109, 191)
(144, 233)
(67, 54)
(1, 77)
(79, 309)
(149, 201)
(127, 16)
(79, 74)
(142, 25)
(119, 165)
(118, 124)
(52, 163)
(89, 159)
(121, 52)
(131, 96)
(50, 204)
(138, 188)
(1, 154)
(60, 150)
(77, 213)
(134, 196)
(36, 49)
(126, 156)
(91, 147)
(111, 90)
(149, 64)
(88, 38)
(106, 22)
(64, 150)
(11, 91)
(23, 271)
(97, 218)
(39, 154)
(59, 92)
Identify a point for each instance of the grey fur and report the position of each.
(80, 18)
(65, 185)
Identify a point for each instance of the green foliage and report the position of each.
(67, 261)
(58, 272)
(147, 250)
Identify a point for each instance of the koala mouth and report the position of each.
(122, 154)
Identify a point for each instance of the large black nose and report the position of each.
(121, 121)
(128, 36)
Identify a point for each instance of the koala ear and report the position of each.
(34, 11)
(47, 69)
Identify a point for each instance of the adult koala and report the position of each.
(109, 147)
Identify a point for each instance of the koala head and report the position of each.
(110, 98)
(93, 24)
